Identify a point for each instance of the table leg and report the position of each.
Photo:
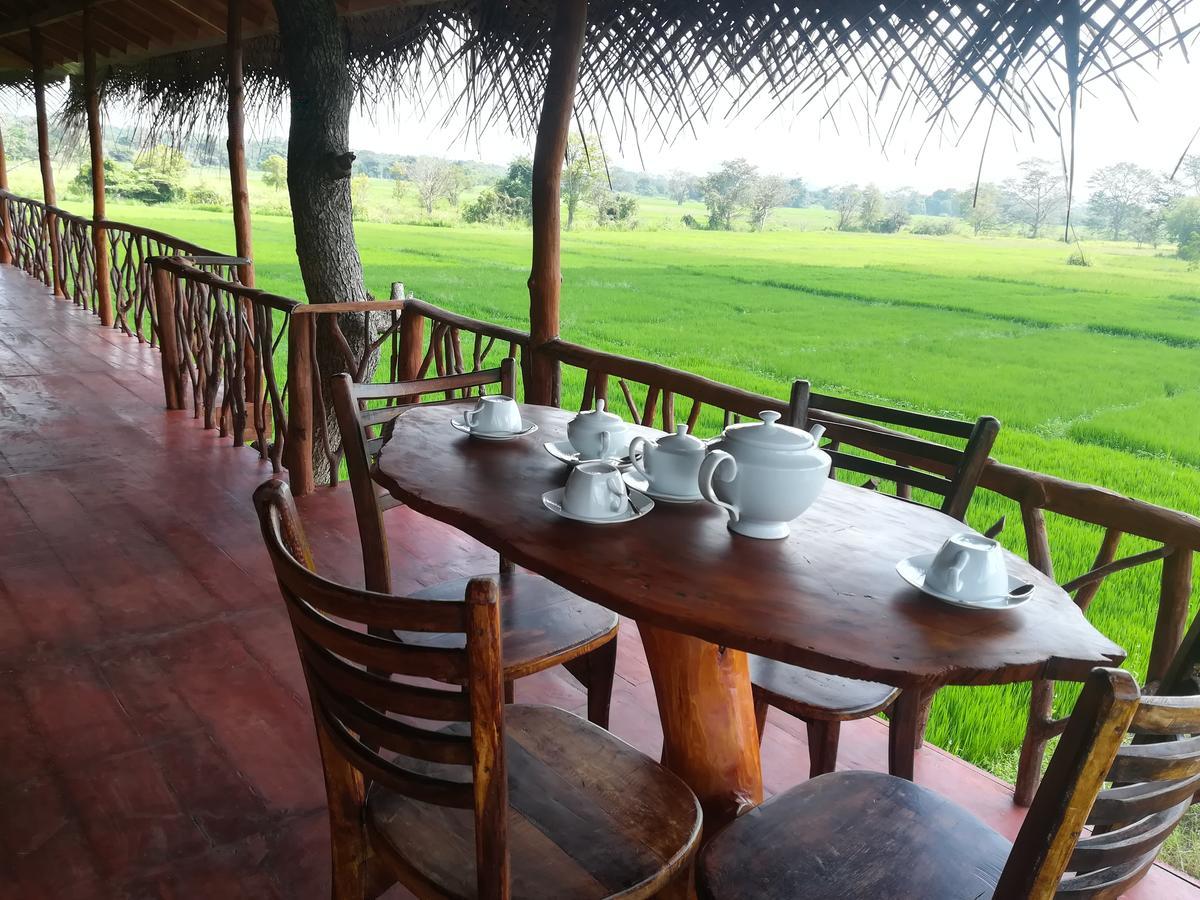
(707, 712)
(906, 725)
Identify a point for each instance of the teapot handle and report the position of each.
(708, 469)
(639, 459)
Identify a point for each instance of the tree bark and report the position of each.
(319, 169)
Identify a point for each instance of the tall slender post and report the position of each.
(43, 135)
(6, 256)
(299, 442)
(545, 277)
(103, 284)
(238, 180)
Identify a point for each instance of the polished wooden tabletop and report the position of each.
(828, 596)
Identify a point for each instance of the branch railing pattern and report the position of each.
(223, 342)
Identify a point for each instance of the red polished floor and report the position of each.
(155, 739)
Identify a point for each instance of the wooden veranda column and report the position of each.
(43, 136)
(545, 277)
(5, 227)
(104, 304)
(238, 179)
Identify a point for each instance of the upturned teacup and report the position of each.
(494, 415)
(595, 490)
(969, 566)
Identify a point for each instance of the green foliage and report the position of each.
(153, 179)
(616, 210)
(511, 199)
(584, 176)
(204, 196)
(1182, 225)
(274, 169)
(726, 191)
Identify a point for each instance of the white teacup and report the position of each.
(595, 490)
(494, 415)
(969, 567)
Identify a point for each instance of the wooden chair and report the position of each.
(867, 835)
(543, 624)
(823, 701)
(446, 790)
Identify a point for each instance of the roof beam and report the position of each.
(54, 12)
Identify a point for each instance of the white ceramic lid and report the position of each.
(769, 434)
(680, 443)
(598, 418)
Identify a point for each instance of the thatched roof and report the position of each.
(657, 65)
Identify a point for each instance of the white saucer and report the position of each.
(913, 571)
(639, 505)
(466, 429)
(564, 452)
(634, 479)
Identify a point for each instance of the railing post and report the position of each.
(298, 448)
(43, 134)
(6, 249)
(103, 285)
(412, 343)
(1171, 622)
(164, 301)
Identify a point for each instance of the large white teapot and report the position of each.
(598, 434)
(765, 474)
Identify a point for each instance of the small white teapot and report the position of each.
(770, 474)
(598, 434)
(671, 464)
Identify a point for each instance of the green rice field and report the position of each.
(1095, 372)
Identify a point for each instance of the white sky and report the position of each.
(812, 148)
(806, 146)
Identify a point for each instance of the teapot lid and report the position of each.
(598, 417)
(680, 442)
(770, 434)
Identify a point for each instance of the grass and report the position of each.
(1093, 371)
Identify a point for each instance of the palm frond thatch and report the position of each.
(655, 67)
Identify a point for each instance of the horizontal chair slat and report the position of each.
(419, 387)
(848, 462)
(399, 737)
(886, 443)
(1167, 715)
(1128, 803)
(383, 693)
(1157, 762)
(902, 417)
(1128, 843)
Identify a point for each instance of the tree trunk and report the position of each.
(318, 177)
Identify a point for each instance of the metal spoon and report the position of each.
(1021, 591)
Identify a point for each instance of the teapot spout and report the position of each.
(817, 431)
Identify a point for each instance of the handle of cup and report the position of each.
(469, 416)
(637, 455)
(708, 469)
(957, 568)
(617, 487)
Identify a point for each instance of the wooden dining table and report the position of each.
(827, 597)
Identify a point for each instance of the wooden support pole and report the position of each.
(43, 136)
(164, 301)
(545, 277)
(6, 256)
(238, 179)
(95, 139)
(298, 448)
(1171, 623)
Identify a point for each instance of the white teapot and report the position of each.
(766, 474)
(671, 465)
(598, 434)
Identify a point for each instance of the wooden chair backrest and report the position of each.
(1152, 786)
(366, 429)
(910, 462)
(381, 726)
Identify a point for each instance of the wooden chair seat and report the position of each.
(589, 816)
(854, 835)
(542, 624)
(803, 692)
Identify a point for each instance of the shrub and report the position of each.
(204, 196)
(940, 227)
(1191, 250)
(690, 221)
(1078, 259)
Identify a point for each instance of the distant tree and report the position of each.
(432, 179)
(615, 210)
(905, 200)
(509, 199)
(584, 170)
(359, 185)
(398, 170)
(1182, 223)
(681, 186)
(20, 138)
(727, 191)
(870, 207)
(1190, 170)
(797, 193)
(1120, 194)
(981, 208)
(274, 171)
(1035, 194)
(942, 202)
(846, 201)
(767, 193)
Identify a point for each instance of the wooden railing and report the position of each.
(223, 344)
(32, 226)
